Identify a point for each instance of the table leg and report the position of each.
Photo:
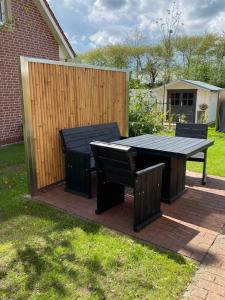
(173, 179)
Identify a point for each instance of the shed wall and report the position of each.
(203, 97)
(213, 106)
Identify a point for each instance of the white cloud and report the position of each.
(109, 10)
(76, 5)
(110, 35)
(102, 38)
(110, 4)
(83, 38)
(147, 22)
(218, 24)
(106, 11)
(91, 23)
(69, 3)
(100, 15)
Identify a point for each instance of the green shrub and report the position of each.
(144, 116)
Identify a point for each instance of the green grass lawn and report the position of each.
(216, 154)
(47, 254)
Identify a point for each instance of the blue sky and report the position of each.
(93, 23)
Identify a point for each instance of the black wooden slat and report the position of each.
(90, 128)
(147, 139)
(168, 146)
(80, 137)
(184, 144)
(147, 198)
(159, 144)
(163, 143)
(171, 144)
(203, 145)
(192, 130)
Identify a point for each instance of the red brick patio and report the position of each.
(189, 226)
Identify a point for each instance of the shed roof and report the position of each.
(200, 84)
(203, 85)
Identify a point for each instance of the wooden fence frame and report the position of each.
(27, 112)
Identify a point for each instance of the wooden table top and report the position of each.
(172, 146)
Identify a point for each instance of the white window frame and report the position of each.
(3, 12)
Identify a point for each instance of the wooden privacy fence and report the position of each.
(60, 95)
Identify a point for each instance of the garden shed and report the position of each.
(185, 97)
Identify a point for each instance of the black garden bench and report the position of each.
(116, 168)
(79, 160)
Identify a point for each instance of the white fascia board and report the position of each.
(53, 26)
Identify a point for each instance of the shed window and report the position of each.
(182, 98)
(2, 12)
(175, 102)
(187, 102)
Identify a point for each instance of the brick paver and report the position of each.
(192, 226)
(209, 282)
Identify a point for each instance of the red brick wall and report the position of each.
(30, 37)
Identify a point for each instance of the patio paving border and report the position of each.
(209, 281)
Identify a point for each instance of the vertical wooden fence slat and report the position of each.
(62, 95)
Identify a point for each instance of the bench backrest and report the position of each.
(199, 131)
(115, 162)
(79, 138)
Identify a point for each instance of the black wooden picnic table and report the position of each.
(173, 151)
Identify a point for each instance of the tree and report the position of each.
(153, 63)
(94, 57)
(169, 26)
(135, 41)
(201, 58)
(218, 69)
(185, 48)
(116, 56)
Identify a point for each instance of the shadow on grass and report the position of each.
(34, 265)
(44, 269)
